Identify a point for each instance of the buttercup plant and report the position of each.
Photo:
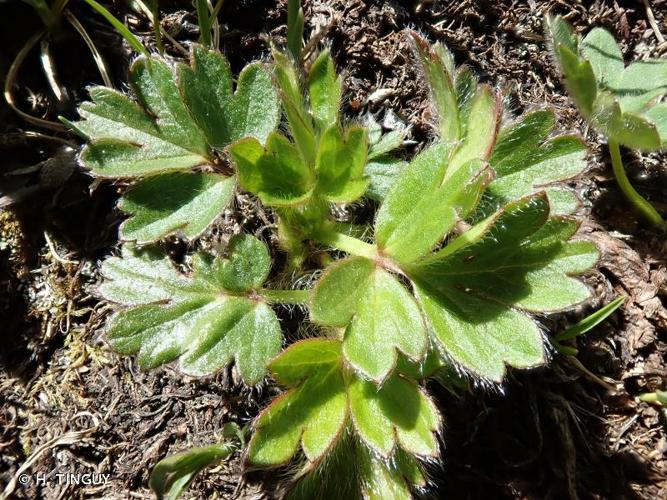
(470, 240)
(621, 102)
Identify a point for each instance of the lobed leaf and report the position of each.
(352, 470)
(617, 99)
(525, 161)
(375, 309)
(518, 259)
(171, 129)
(276, 173)
(226, 116)
(407, 228)
(200, 319)
(163, 204)
(604, 55)
(127, 141)
(340, 164)
(323, 399)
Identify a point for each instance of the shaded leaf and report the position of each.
(171, 476)
(517, 259)
(525, 160)
(162, 204)
(225, 116)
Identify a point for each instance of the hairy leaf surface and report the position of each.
(173, 128)
(130, 139)
(472, 291)
(162, 204)
(340, 164)
(375, 310)
(406, 227)
(277, 173)
(526, 161)
(617, 99)
(206, 320)
(325, 89)
(226, 116)
(323, 398)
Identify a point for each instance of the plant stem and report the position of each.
(286, 296)
(647, 210)
(348, 244)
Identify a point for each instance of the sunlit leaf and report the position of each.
(201, 319)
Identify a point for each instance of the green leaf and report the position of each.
(311, 415)
(617, 100)
(323, 400)
(161, 205)
(472, 293)
(223, 115)
(325, 89)
(382, 479)
(294, 28)
(605, 56)
(398, 411)
(172, 475)
(382, 175)
(437, 65)
(658, 116)
(352, 470)
(481, 125)
(375, 309)
(525, 160)
(407, 228)
(340, 164)
(128, 141)
(630, 129)
(247, 266)
(300, 122)
(199, 319)
(577, 71)
(641, 83)
(204, 21)
(276, 173)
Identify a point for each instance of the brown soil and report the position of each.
(573, 429)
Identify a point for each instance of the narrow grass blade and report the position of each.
(204, 23)
(590, 321)
(118, 26)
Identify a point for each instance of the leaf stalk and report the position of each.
(349, 244)
(639, 202)
(286, 296)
